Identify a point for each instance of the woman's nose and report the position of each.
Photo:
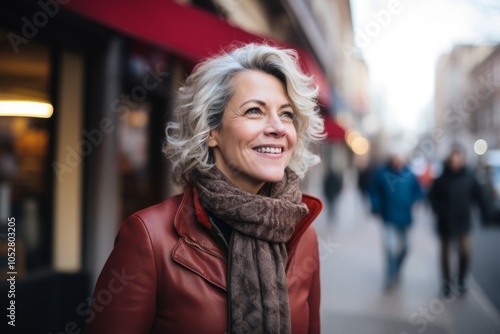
(275, 127)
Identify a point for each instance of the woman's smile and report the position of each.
(270, 151)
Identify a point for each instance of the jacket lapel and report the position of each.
(196, 250)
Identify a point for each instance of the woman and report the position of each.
(451, 197)
(235, 252)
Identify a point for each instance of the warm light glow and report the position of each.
(26, 109)
(480, 146)
(350, 136)
(360, 145)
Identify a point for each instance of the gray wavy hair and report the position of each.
(203, 98)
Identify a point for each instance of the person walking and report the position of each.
(451, 197)
(236, 252)
(332, 186)
(393, 191)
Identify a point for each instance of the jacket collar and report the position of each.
(191, 220)
(197, 250)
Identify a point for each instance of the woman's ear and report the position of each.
(212, 139)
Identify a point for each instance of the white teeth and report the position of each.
(272, 150)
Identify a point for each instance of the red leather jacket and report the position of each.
(167, 274)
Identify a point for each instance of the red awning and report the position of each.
(313, 69)
(181, 29)
(334, 132)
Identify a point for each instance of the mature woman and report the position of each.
(236, 251)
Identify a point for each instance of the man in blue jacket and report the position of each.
(394, 190)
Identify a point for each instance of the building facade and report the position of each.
(452, 113)
(484, 104)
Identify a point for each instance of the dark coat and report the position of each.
(393, 194)
(167, 274)
(332, 185)
(451, 197)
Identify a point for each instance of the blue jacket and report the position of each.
(393, 194)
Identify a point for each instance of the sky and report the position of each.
(401, 55)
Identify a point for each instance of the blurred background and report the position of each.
(86, 88)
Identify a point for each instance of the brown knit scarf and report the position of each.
(262, 223)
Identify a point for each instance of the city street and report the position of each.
(106, 107)
(352, 268)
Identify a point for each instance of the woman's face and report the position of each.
(257, 136)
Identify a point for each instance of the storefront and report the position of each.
(71, 172)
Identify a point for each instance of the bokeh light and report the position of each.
(480, 146)
(360, 145)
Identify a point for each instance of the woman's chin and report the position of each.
(271, 176)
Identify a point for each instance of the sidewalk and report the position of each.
(352, 271)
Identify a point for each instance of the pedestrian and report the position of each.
(451, 197)
(236, 252)
(332, 186)
(393, 191)
(365, 175)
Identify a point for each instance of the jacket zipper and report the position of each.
(229, 258)
(227, 248)
(219, 237)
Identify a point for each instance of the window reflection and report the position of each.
(134, 142)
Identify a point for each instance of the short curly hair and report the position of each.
(206, 92)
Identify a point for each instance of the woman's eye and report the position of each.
(252, 111)
(288, 114)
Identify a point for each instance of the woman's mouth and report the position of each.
(267, 149)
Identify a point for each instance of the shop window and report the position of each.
(134, 159)
(25, 142)
(141, 126)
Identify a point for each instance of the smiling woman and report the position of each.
(257, 135)
(235, 253)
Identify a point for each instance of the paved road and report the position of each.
(353, 300)
(486, 261)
